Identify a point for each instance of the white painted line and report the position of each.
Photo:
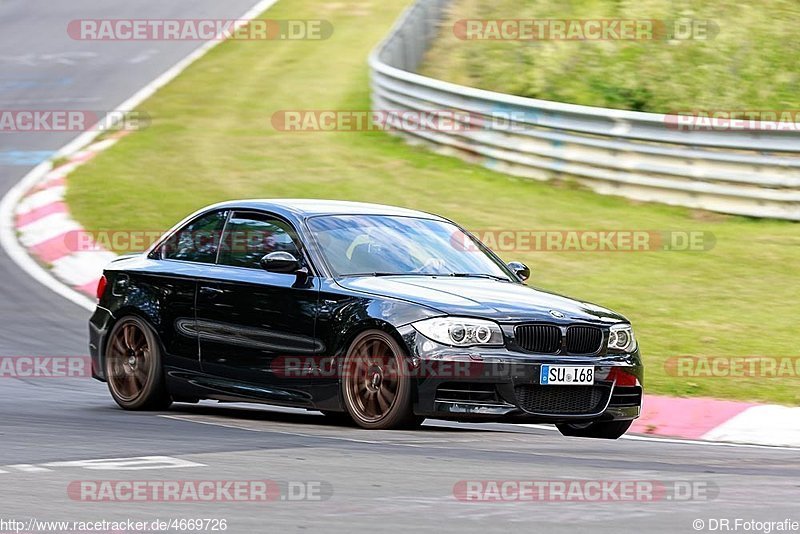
(28, 468)
(8, 239)
(102, 145)
(18, 254)
(80, 268)
(148, 90)
(41, 198)
(764, 425)
(46, 228)
(138, 463)
(189, 419)
(679, 441)
(82, 156)
(61, 171)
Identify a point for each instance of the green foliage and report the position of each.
(752, 63)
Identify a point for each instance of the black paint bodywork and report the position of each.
(223, 328)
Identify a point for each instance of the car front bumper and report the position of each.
(497, 384)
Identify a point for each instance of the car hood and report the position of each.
(479, 297)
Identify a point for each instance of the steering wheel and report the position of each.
(434, 264)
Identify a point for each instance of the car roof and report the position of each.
(307, 207)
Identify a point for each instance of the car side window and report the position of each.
(198, 241)
(250, 236)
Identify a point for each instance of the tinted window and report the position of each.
(197, 241)
(250, 236)
(365, 244)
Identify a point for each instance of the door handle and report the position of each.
(210, 291)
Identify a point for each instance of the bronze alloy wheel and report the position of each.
(377, 390)
(133, 366)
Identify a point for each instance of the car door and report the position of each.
(168, 286)
(250, 320)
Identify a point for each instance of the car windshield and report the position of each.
(380, 245)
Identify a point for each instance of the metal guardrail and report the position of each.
(636, 155)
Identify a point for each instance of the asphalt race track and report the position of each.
(42, 68)
(381, 481)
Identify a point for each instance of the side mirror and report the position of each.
(520, 269)
(280, 262)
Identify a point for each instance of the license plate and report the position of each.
(566, 375)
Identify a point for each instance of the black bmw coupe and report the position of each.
(373, 314)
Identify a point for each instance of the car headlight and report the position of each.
(621, 339)
(461, 331)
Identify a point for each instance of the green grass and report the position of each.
(211, 140)
(750, 65)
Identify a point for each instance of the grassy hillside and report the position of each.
(752, 63)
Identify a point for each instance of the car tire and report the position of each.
(134, 367)
(595, 429)
(376, 390)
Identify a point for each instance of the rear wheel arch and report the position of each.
(120, 314)
(133, 365)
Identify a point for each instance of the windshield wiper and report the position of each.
(384, 274)
(479, 275)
